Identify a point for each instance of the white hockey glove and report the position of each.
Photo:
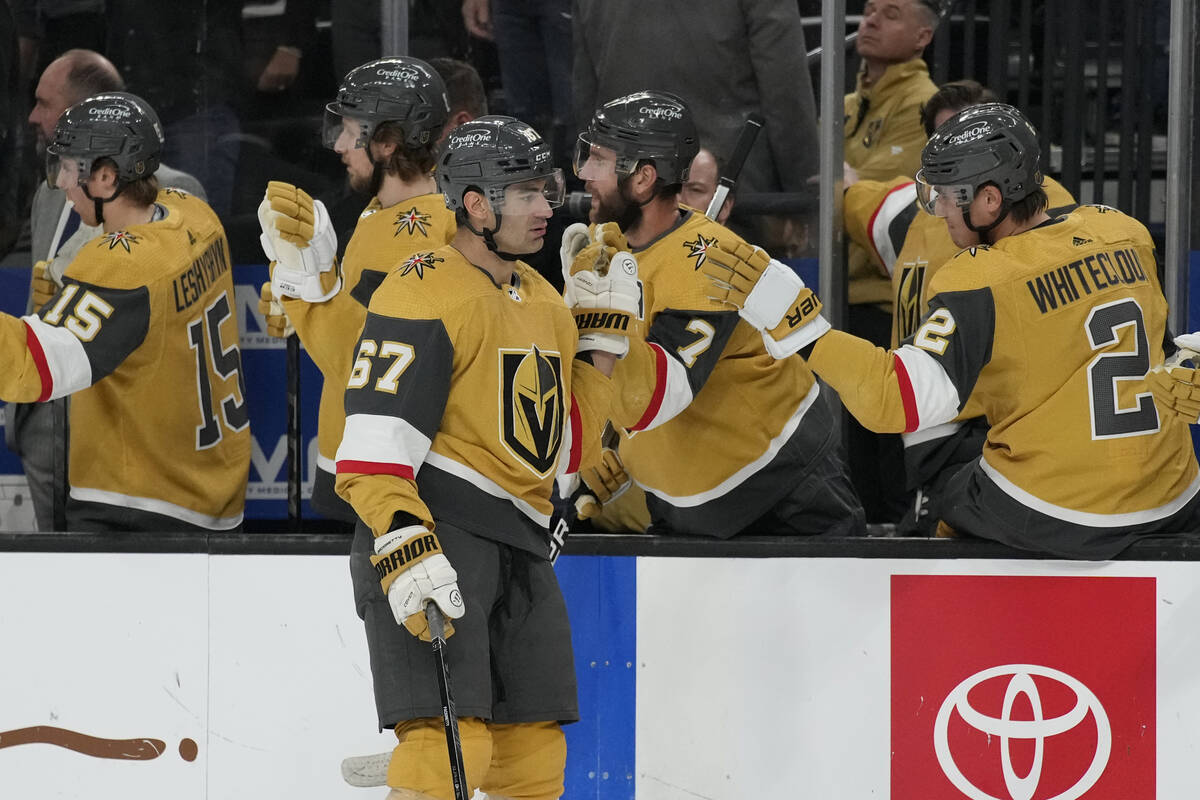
(413, 571)
(574, 239)
(299, 240)
(1176, 387)
(601, 286)
(767, 294)
(279, 325)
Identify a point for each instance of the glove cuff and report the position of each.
(396, 551)
(773, 295)
(613, 343)
(796, 340)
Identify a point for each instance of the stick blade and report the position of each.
(366, 771)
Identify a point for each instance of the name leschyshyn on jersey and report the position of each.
(465, 400)
(144, 336)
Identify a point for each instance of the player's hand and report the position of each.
(604, 293)
(413, 571)
(298, 238)
(602, 484)
(767, 294)
(278, 324)
(42, 287)
(1175, 384)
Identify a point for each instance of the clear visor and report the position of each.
(343, 133)
(940, 200)
(532, 196)
(597, 162)
(65, 171)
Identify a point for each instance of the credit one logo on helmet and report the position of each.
(470, 139)
(661, 112)
(1018, 680)
(406, 76)
(1014, 687)
(109, 112)
(977, 131)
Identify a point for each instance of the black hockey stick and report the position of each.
(295, 472)
(437, 630)
(733, 167)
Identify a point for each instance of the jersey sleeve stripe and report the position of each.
(660, 388)
(63, 365)
(388, 445)
(376, 468)
(39, 360)
(929, 395)
(879, 226)
(672, 392)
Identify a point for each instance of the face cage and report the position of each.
(599, 165)
(940, 200)
(59, 166)
(334, 124)
(522, 197)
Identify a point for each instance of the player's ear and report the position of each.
(476, 205)
(643, 179)
(105, 175)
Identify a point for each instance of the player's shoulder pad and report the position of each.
(124, 259)
(425, 284)
(971, 268)
(421, 219)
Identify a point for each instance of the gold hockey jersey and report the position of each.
(716, 428)
(1049, 334)
(383, 238)
(466, 400)
(143, 334)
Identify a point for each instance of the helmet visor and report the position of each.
(941, 199)
(66, 171)
(594, 161)
(531, 196)
(348, 132)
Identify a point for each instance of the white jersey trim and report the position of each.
(740, 477)
(486, 485)
(935, 395)
(382, 439)
(155, 507)
(1090, 519)
(677, 392)
(897, 200)
(929, 434)
(70, 369)
(326, 464)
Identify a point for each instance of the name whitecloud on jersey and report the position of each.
(1062, 285)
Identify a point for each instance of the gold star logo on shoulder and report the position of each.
(175, 191)
(419, 263)
(412, 221)
(699, 249)
(119, 238)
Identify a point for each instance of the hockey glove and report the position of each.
(298, 239)
(42, 287)
(1176, 387)
(278, 324)
(413, 571)
(767, 294)
(602, 288)
(603, 483)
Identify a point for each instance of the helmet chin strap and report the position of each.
(489, 239)
(984, 230)
(98, 202)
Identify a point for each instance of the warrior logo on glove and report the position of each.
(532, 412)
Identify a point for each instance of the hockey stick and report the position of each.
(741, 150)
(369, 771)
(437, 629)
(293, 431)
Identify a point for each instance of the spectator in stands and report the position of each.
(143, 333)
(729, 61)
(37, 432)
(1048, 327)
(911, 245)
(883, 139)
(701, 184)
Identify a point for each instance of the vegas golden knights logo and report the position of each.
(908, 298)
(532, 407)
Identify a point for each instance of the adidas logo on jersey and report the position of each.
(1079, 241)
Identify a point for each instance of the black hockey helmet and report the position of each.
(113, 125)
(491, 153)
(400, 89)
(990, 143)
(644, 126)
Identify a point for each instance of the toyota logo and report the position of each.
(1038, 729)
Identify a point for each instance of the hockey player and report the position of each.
(1045, 326)
(143, 333)
(385, 123)
(467, 397)
(721, 437)
(886, 220)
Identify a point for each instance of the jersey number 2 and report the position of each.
(204, 338)
(1107, 370)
